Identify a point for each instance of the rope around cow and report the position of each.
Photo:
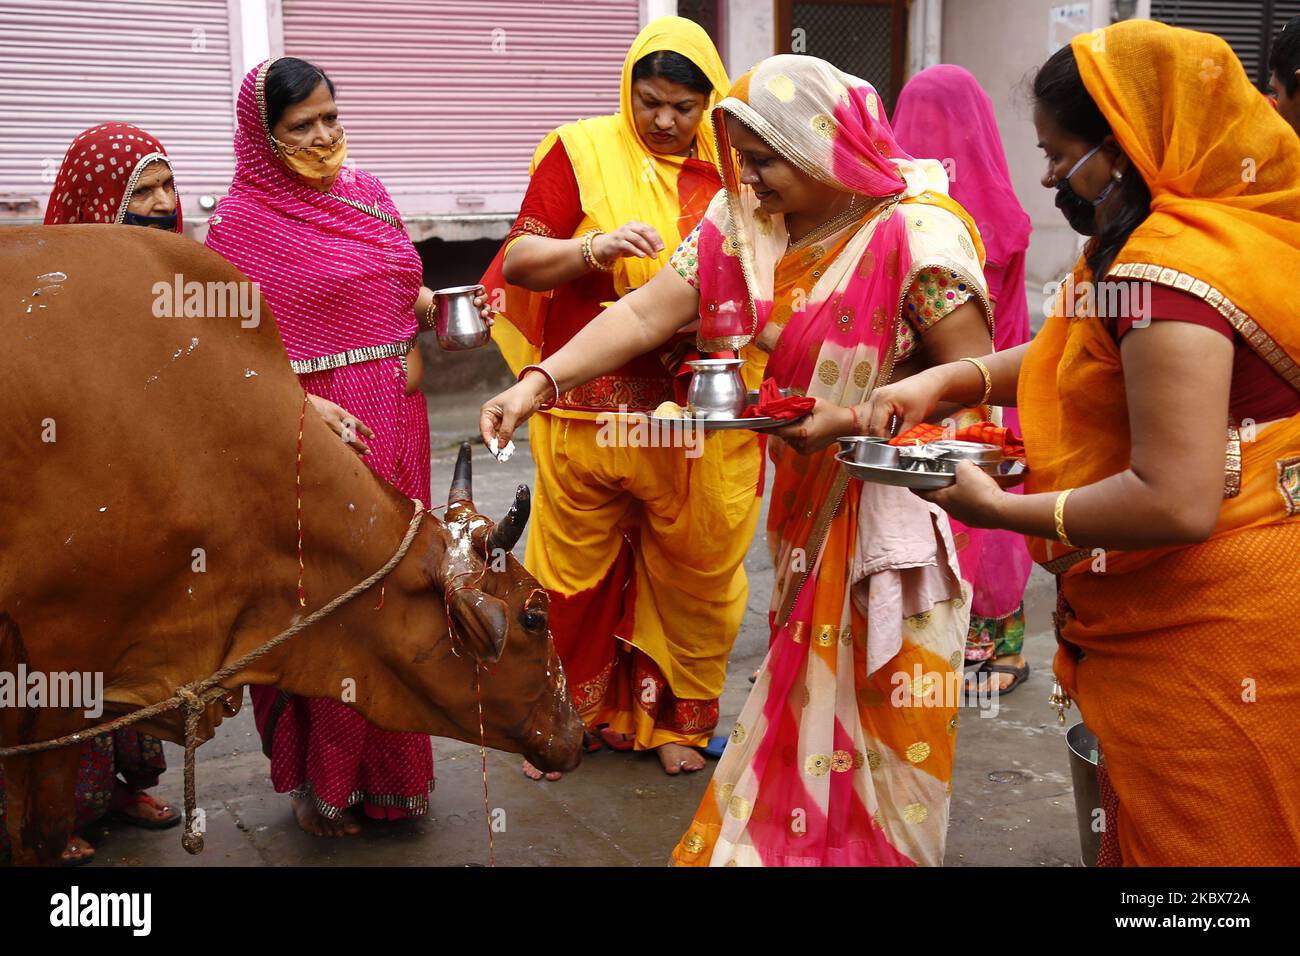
(196, 695)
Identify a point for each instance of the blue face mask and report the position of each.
(1079, 212)
(167, 222)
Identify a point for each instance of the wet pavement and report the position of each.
(1012, 802)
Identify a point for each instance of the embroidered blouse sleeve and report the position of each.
(686, 260)
(552, 206)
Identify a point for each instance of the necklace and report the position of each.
(859, 207)
(856, 209)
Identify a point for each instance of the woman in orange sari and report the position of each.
(1161, 409)
(823, 231)
(640, 548)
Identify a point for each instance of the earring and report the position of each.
(1116, 175)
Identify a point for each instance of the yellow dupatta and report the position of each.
(620, 178)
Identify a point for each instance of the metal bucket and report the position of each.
(1085, 751)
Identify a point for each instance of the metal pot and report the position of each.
(1085, 751)
(716, 389)
(459, 325)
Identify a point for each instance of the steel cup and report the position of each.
(716, 389)
(869, 450)
(459, 325)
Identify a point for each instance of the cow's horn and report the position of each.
(462, 479)
(506, 534)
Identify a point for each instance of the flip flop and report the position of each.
(140, 797)
(715, 747)
(614, 740)
(1019, 675)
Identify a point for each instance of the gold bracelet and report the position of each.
(1060, 519)
(589, 254)
(429, 321)
(988, 379)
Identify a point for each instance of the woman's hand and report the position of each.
(630, 239)
(485, 313)
(500, 416)
(974, 499)
(343, 424)
(825, 423)
(906, 403)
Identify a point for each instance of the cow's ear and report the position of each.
(482, 621)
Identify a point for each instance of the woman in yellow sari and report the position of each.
(1161, 410)
(824, 231)
(639, 547)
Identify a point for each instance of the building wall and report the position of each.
(1002, 42)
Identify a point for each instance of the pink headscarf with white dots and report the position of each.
(100, 171)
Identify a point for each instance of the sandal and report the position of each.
(1019, 675)
(616, 741)
(140, 798)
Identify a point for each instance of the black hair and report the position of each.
(1058, 89)
(674, 68)
(1284, 59)
(289, 81)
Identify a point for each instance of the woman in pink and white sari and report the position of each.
(843, 753)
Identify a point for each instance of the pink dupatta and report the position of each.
(337, 277)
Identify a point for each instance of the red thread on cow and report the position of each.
(302, 419)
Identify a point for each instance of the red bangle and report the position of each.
(857, 425)
(549, 377)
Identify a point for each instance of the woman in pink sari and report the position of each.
(327, 247)
(943, 112)
(827, 228)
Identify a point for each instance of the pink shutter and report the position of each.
(166, 67)
(445, 101)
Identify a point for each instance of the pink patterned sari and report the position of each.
(340, 273)
(826, 765)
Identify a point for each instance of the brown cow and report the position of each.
(131, 441)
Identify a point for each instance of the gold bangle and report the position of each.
(429, 321)
(1060, 519)
(988, 379)
(589, 254)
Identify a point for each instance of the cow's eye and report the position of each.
(533, 620)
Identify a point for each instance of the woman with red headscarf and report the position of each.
(113, 173)
(945, 113)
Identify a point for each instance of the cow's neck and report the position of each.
(352, 524)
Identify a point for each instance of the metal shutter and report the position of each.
(445, 101)
(166, 67)
(1249, 26)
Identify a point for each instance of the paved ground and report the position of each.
(1012, 802)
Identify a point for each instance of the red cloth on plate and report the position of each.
(770, 404)
(984, 432)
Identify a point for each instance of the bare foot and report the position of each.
(678, 759)
(77, 852)
(532, 773)
(312, 821)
